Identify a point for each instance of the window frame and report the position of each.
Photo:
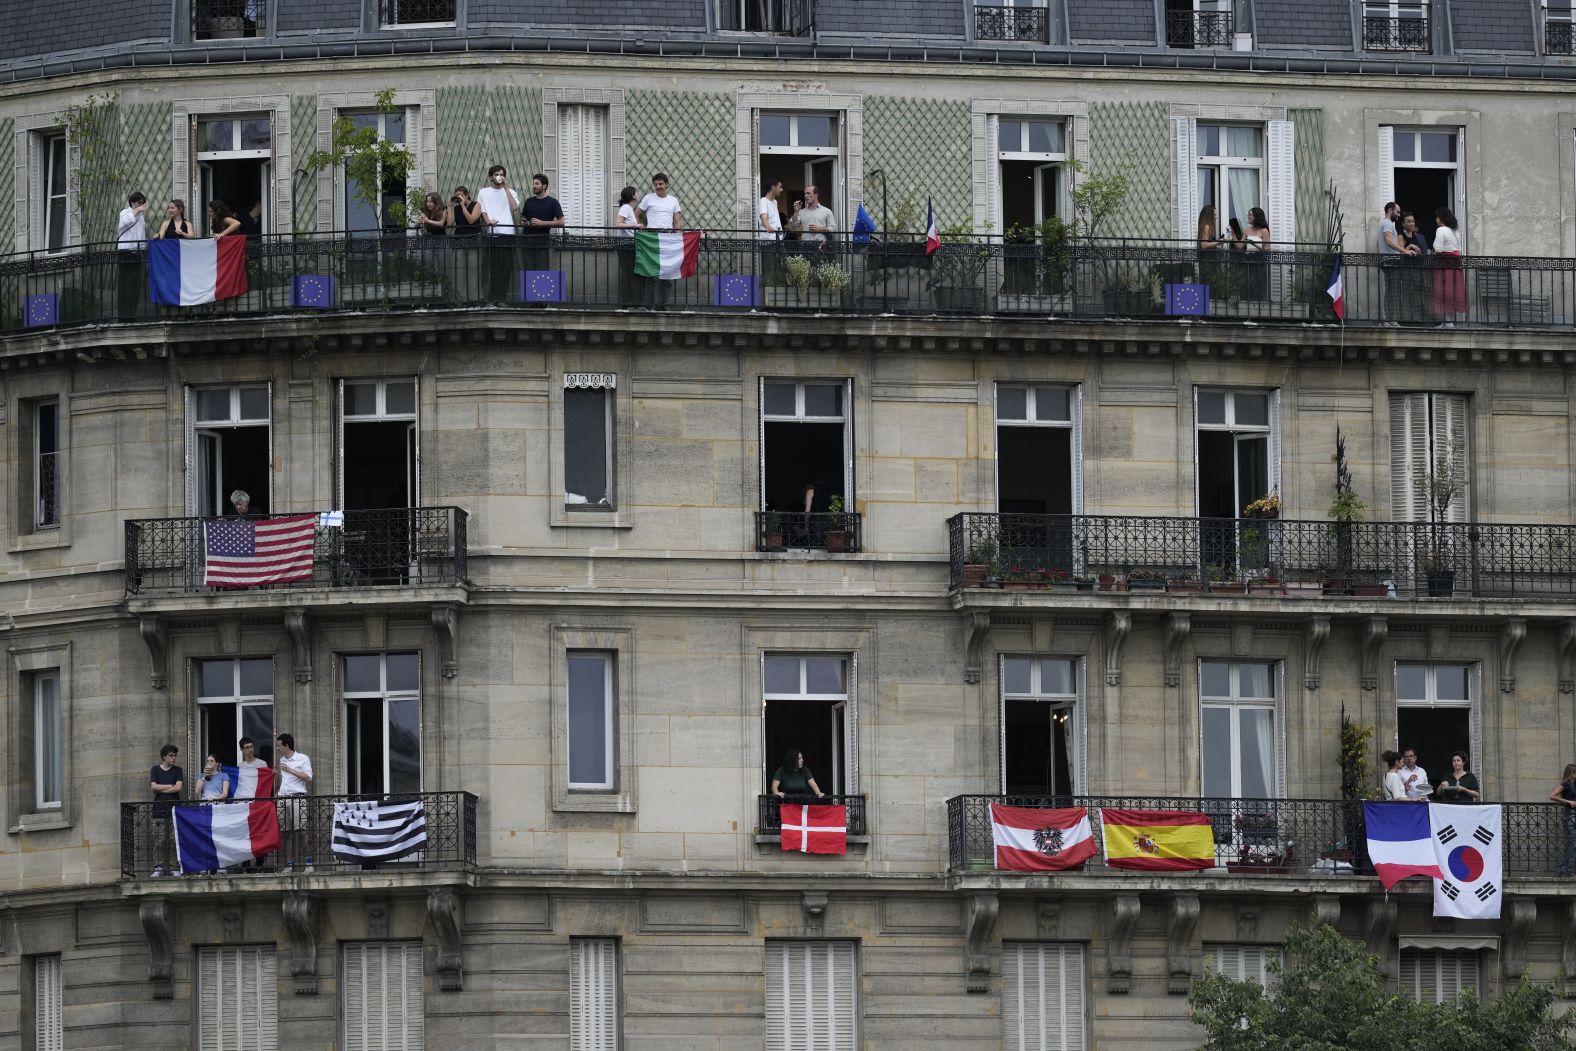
(1248, 959)
(846, 420)
(1073, 425)
(607, 383)
(604, 1014)
(253, 965)
(55, 764)
(1413, 959)
(43, 520)
(385, 694)
(792, 147)
(618, 643)
(411, 991)
(1222, 164)
(24, 813)
(1235, 703)
(1271, 429)
(839, 988)
(1473, 703)
(1076, 701)
(196, 429)
(607, 661)
(51, 143)
(1014, 955)
(383, 22)
(584, 192)
(43, 1001)
(238, 699)
(381, 415)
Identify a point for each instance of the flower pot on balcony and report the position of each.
(974, 574)
(1337, 586)
(837, 540)
(1370, 591)
(1145, 584)
(1016, 585)
(1107, 582)
(773, 541)
(1441, 583)
(1185, 585)
(1086, 584)
(1063, 585)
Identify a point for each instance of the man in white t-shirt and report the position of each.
(295, 774)
(768, 220)
(499, 204)
(131, 237)
(660, 210)
(1413, 777)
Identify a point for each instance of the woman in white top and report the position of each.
(1450, 288)
(1394, 790)
(627, 224)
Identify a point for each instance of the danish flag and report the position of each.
(815, 829)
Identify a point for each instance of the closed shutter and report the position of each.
(1386, 172)
(993, 172)
(48, 1028)
(238, 999)
(1042, 1006)
(1274, 469)
(810, 996)
(1408, 456)
(593, 994)
(1244, 963)
(383, 996)
(1282, 196)
(582, 164)
(1078, 451)
(1448, 414)
(1435, 976)
(1184, 172)
(190, 425)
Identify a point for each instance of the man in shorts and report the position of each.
(294, 770)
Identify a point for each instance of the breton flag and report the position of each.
(1040, 839)
(183, 273)
(1398, 841)
(1157, 839)
(379, 829)
(1337, 291)
(246, 551)
(932, 233)
(1466, 843)
(212, 836)
(811, 829)
(667, 254)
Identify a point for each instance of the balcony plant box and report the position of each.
(1334, 585)
(1185, 585)
(974, 574)
(1087, 584)
(772, 532)
(1107, 582)
(1441, 583)
(1146, 584)
(836, 537)
(1228, 588)
(1370, 591)
(1254, 868)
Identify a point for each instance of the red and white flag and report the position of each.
(242, 552)
(815, 829)
(1040, 839)
(932, 233)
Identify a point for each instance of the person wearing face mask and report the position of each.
(499, 204)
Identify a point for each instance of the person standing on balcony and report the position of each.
(1389, 248)
(811, 219)
(1565, 795)
(1462, 784)
(167, 781)
(768, 218)
(626, 224)
(216, 785)
(295, 775)
(175, 225)
(659, 210)
(465, 215)
(220, 222)
(241, 502)
(1414, 250)
(793, 778)
(1414, 777)
(131, 235)
(1450, 290)
(1257, 242)
(499, 204)
(1394, 789)
(539, 215)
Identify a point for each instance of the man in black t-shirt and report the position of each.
(539, 213)
(167, 781)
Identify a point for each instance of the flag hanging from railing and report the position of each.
(815, 829)
(184, 273)
(1157, 839)
(212, 836)
(379, 829)
(245, 552)
(1040, 839)
(1337, 291)
(667, 254)
(1398, 842)
(1467, 838)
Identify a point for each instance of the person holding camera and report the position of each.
(468, 220)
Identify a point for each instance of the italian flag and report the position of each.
(666, 254)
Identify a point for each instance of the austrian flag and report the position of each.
(667, 254)
(1040, 839)
(815, 829)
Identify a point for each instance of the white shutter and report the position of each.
(1184, 171)
(1386, 171)
(1448, 414)
(1460, 203)
(1408, 456)
(48, 1026)
(1042, 996)
(593, 994)
(1275, 441)
(1436, 976)
(993, 172)
(190, 425)
(1282, 196)
(1078, 451)
(571, 161)
(383, 996)
(1244, 963)
(238, 998)
(810, 996)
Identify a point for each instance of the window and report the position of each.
(1041, 730)
(593, 994)
(1011, 20)
(1239, 721)
(806, 705)
(361, 219)
(235, 699)
(55, 178)
(1198, 23)
(588, 440)
(1557, 23)
(237, 999)
(383, 723)
(1421, 168)
(1428, 458)
(1031, 155)
(234, 165)
(582, 164)
(1042, 996)
(47, 989)
(802, 149)
(1437, 713)
(591, 732)
(1436, 976)
(1230, 170)
(46, 465)
(806, 455)
(1396, 25)
(1233, 167)
(48, 760)
(810, 996)
(784, 17)
(383, 996)
(1237, 453)
(229, 446)
(398, 14)
(1245, 963)
(229, 19)
(380, 444)
(1039, 463)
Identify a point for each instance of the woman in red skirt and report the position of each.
(1450, 288)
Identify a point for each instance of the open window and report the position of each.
(1031, 188)
(1420, 169)
(44, 452)
(235, 699)
(782, 17)
(228, 447)
(1198, 23)
(1231, 170)
(379, 444)
(806, 456)
(229, 19)
(1026, 20)
(235, 165)
(1041, 727)
(805, 706)
(1237, 452)
(588, 440)
(382, 740)
(1038, 473)
(1396, 25)
(803, 149)
(51, 165)
(1437, 713)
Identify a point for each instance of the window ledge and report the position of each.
(594, 803)
(563, 518)
(769, 844)
(41, 821)
(43, 540)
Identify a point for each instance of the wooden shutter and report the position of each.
(582, 164)
(1281, 136)
(1408, 456)
(1274, 444)
(383, 996)
(992, 172)
(48, 1026)
(1184, 170)
(593, 994)
(1386, 172)
(238, 998)
(810, 996)
(1245, 963)
(1042, 996)
(1076, 400)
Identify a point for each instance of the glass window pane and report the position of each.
(1208, 140)
(817, 131)
(1215, 678)
(403, 671)
(404, 745)
(216, 136)
(588, 728)
(1010, 136)
(257, 722)
(1045, 137)
(1253, 410)
(394, 126)
(1411, 682)
(1211, 406)
(782, 675)
(1244, 142)
(1056, 677)
(1439, 147)
(1217, 751)
(824, 675)
(48, 416)
(1256, 681)
(47, 726)
(361, 399)
(586, 447)
(774, 129)
(257, 677)
(255, 134)
(1257, 729)
(1015, 675)
(1405, 146)
(1012, 403)
(823, 399)
(364, 120)
(216, 678)
(213, 404)
(1052, 403)
(254, 403)
(362, 674)
(399, 398)
(1452, 681)
(780, 400)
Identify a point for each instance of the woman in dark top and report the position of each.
(434, 217)
(1462, 784)
(467, 214)
(175, 224)
(1565, 795)
(793, 778)
(221, 223)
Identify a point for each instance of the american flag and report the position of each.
(248, 551)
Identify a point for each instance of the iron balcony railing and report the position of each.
(415, 12)
(1291, 837)
(782, 17)
(1198, 29)
(1558, 38)
(1408, 560)
(412, 547)
(769, 812)
(1383, 33)
(798, 530)
(1011, 23)
(47, 513)
(229, 19)
(147, 840)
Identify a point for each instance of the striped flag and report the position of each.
(1040, 839)
(183, 273)
(242, 552)
(379, 829)
(667, 254)
(1157, 840)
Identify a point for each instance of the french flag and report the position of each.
(183, 273)
(1337, 291)
(212, 836)
(932, 232)
(1400, 842)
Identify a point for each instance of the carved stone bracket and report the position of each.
(1325, 910)
(1177, 628)
(975, 627)
(1511, 634)
(377, 911)
(155, 916)
(300, 630)
(443, 909)
(1381, 924)
(298, 910)
(1118, 623)
(1567, 664)
(156, 637)
(1568, 949)
(1313, 641)
(1179, 943)
(1519, 914)
(1049, 921)
(1119, 952)
(1247, 921)
(814, 908)
(1375, 629)
(979, 919)
(445, 624)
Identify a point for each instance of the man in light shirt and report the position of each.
(768, 220)
(811, 218)
(1413, 777)
(295, 775)
(659, 210)
(131, 236)
(499, 204)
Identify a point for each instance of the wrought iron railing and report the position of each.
(1409, 560)
(1297, 837)
(1198, 29)
(147, 839)
(782, 17)
(415, 12)
(1558, 38)
(769, 812)
(229, 19)
(47, 514)
(1011, 23)
(412, 547)
(1383, 33)
(798, 530)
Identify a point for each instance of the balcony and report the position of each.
(777, 17)
(1558, 38)
(229, 19)
(394, 14)
(813, 531)
(1195, 29)
(402, 547)
(1396, 34)
(1277, 557)
(1030, 24)
(1261, 837)
(770, 819)
(450, 828)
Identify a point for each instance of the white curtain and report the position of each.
(1262, 722)
(1244, 184)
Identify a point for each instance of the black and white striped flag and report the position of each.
(379, 830)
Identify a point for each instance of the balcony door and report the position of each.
(803, 149)
(1039, 474)
(234, 165)
(806, 706)
(382, 727)
(229, 446)
(1420, 169)
(378, 470)
(1237, 461)
(1041, 727)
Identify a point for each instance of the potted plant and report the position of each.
(1346, 507)
(1037, 262)
(837, 528)
(1135, 290)
(832, 280)
(1439, 486)
(979, 559)
(1107, 581)
(1223, 582)
(1017, 579)
(1146, 582)
(1263, 850)
(772, 531)
(1085, 583)
(1185, 585)
(957, 270)
(1059, 579)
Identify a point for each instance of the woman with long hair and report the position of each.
(1394, 789)
(1256, 243)
(1565, 795)
(175, 224)
(1462, 784)
(793, 778)
(221, 223)
(434, 219)
(1450, 286)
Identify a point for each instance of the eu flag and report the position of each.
(864, 226)
(1187, 300)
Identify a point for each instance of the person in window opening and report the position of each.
(1256, 242)
(793, 778)
(1462, 784)
(1565, 795)
(131, 235)
(1450, 290)
(1412, 300)
(1413, 777)
(499, 204)
(540, 214)
(251, 220)
(1394, 787)
(221, 223)
(812, 219)
(167, 781)
(768, 217)
(295, 775)
(175, 224)
(215, 786)
(241, 503)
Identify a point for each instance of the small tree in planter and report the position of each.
(837, 531)
(957, 269)
(1439, 486)
(982, 560)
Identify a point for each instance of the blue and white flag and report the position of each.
(864, 226)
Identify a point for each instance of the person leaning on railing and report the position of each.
(1565, 795)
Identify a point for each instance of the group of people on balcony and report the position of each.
(1406, 782)
(1423, 281)
(1245, 247)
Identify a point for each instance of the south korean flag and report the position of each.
(1467, 844)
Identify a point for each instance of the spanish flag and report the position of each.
(1157, 839)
